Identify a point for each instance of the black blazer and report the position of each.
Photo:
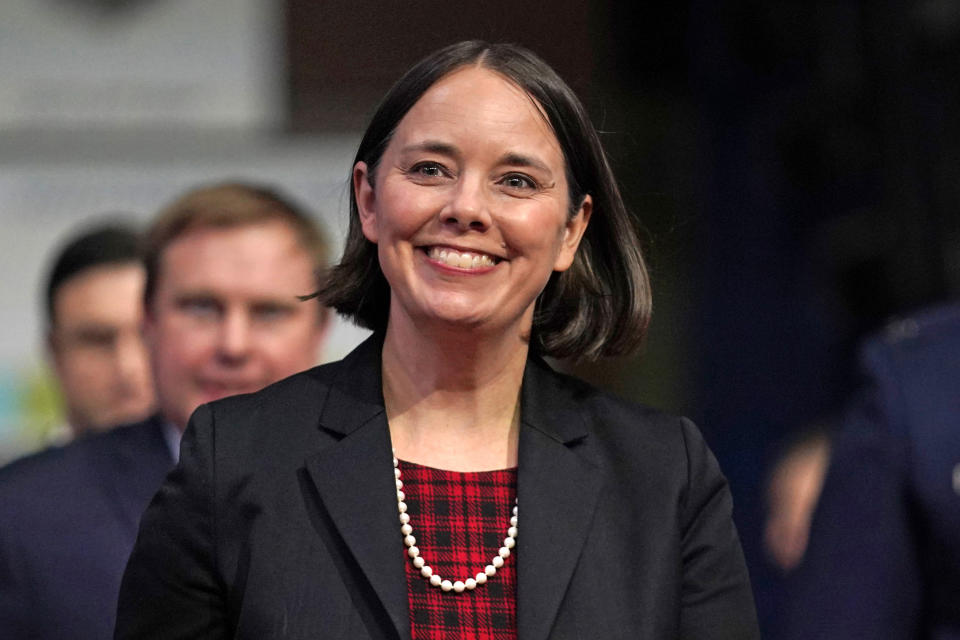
(280, 520)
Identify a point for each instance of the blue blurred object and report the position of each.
(884, 553)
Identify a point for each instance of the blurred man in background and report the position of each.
(94, 307)
(224, 268)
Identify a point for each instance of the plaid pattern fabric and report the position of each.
(460, 521)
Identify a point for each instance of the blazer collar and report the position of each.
(558, 486)
(356, 393)
(549, 403)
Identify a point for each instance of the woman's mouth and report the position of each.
(461, 259)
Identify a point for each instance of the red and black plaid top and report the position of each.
(460, 521)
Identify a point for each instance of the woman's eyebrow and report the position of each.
(520, 160)
(433, 146)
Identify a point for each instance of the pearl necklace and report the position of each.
(458, 586)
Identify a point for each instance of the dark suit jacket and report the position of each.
(884, 554)
(281, 520)
(68, 520)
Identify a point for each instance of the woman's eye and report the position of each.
(517, 181)
(428, 170)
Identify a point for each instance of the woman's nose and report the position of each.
(469, 207)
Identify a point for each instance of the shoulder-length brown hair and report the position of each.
(600, 306)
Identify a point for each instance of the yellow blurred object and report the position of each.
(40, 410)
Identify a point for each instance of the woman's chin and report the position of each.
(457, 311)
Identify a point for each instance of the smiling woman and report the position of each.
(471, 211)
(486, 231)
(600, 306)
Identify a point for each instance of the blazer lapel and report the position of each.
(558, 487)
(360, 497)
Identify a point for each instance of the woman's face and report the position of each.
(470, 208)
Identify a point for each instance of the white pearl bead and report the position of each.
(404, 518)
(413, 552)
(396, 473)
(399, 483)
(482, 577)
(470, 583)
(459, 586)
(513, 521)
(406, 529)
(509, 542)
(409, 541)
(418, 562)
(435, 580)
(395, 462)
(497, 561)
(446, 585)
(401, 496)
(515, 511)
(402, 507)
(490, 569)
(512, 531)
(426, 570)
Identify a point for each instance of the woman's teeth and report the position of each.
(461, 259)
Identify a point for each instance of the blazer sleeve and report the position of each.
(171, 588)
(716, 599)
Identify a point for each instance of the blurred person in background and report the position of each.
(883, 560)
(225, 265)
(94, 310)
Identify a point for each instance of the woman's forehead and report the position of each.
(478, 97)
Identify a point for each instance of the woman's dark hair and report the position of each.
(600, 306)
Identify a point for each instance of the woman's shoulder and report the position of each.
(616, 422)
(300, 389)
(637, 446)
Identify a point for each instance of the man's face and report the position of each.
(225, 319)
(98, 350)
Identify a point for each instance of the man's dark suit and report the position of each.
(884, 554)
(281, 520)
(68, 520)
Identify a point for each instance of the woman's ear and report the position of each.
(365, 196)
(572, 234)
